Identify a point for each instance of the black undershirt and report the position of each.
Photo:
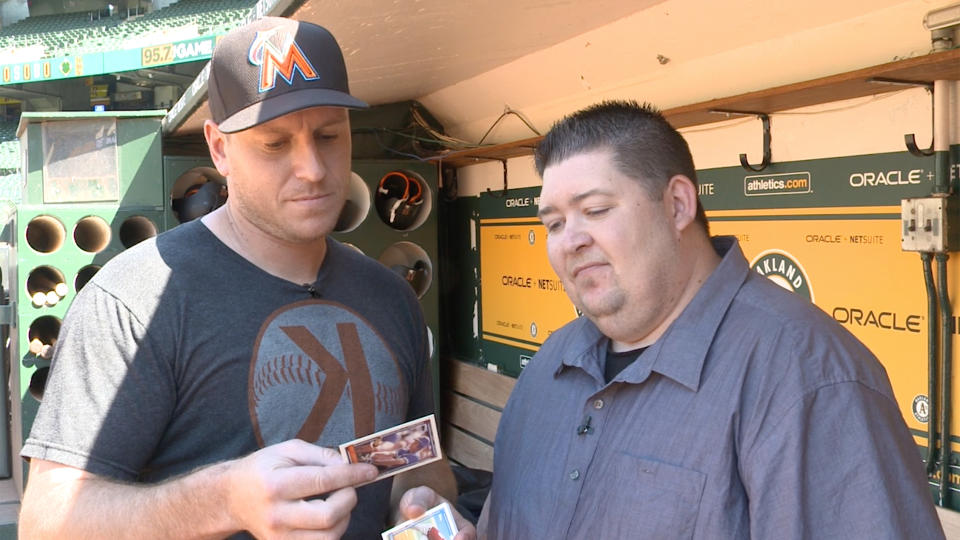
(618, 361)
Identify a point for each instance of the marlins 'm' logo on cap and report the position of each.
(784, 270)
(272, 67)
(277, 53)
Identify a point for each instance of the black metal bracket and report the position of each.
(766, 147)
(910, 139)
(765, 119)
(503, 193)
(449, 182)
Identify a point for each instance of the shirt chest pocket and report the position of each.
(635, 497)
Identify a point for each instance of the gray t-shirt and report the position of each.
(180, 353)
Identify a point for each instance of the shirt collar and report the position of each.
(682, 350)
(584, 351)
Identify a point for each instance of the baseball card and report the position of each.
(397, 449)
(435, 524)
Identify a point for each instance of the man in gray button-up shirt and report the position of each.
(694, 398)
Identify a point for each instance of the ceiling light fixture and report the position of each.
(942, 17)
(942, 24)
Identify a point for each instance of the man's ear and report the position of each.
(681, 194)
(216, 140)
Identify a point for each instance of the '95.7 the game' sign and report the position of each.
(172, 53)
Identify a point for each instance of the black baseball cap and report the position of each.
(272, 67)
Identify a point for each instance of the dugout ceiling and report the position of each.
(397, 51)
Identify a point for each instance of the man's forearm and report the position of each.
(57, 505)
(270, 493)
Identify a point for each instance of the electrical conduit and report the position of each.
(932, 329)
(942, 188)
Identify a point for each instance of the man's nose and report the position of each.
(309, 163)
(576, 236)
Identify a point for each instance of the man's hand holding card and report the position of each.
(396, 449)
(423, 501)
(400, 449)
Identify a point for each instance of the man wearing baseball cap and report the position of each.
(201, 378)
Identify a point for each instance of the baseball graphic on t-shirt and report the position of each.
(321, 373)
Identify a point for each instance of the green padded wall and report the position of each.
(73, 218)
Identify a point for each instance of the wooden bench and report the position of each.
(472, 399)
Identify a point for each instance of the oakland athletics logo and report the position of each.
(781, 268)
(921, 408)
(278, 54)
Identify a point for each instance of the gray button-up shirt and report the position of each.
(754, 416)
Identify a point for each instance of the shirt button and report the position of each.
(598, 404)
(574, 474)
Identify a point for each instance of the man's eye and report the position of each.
(597, 211)
(274, 145)
(552, 226)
